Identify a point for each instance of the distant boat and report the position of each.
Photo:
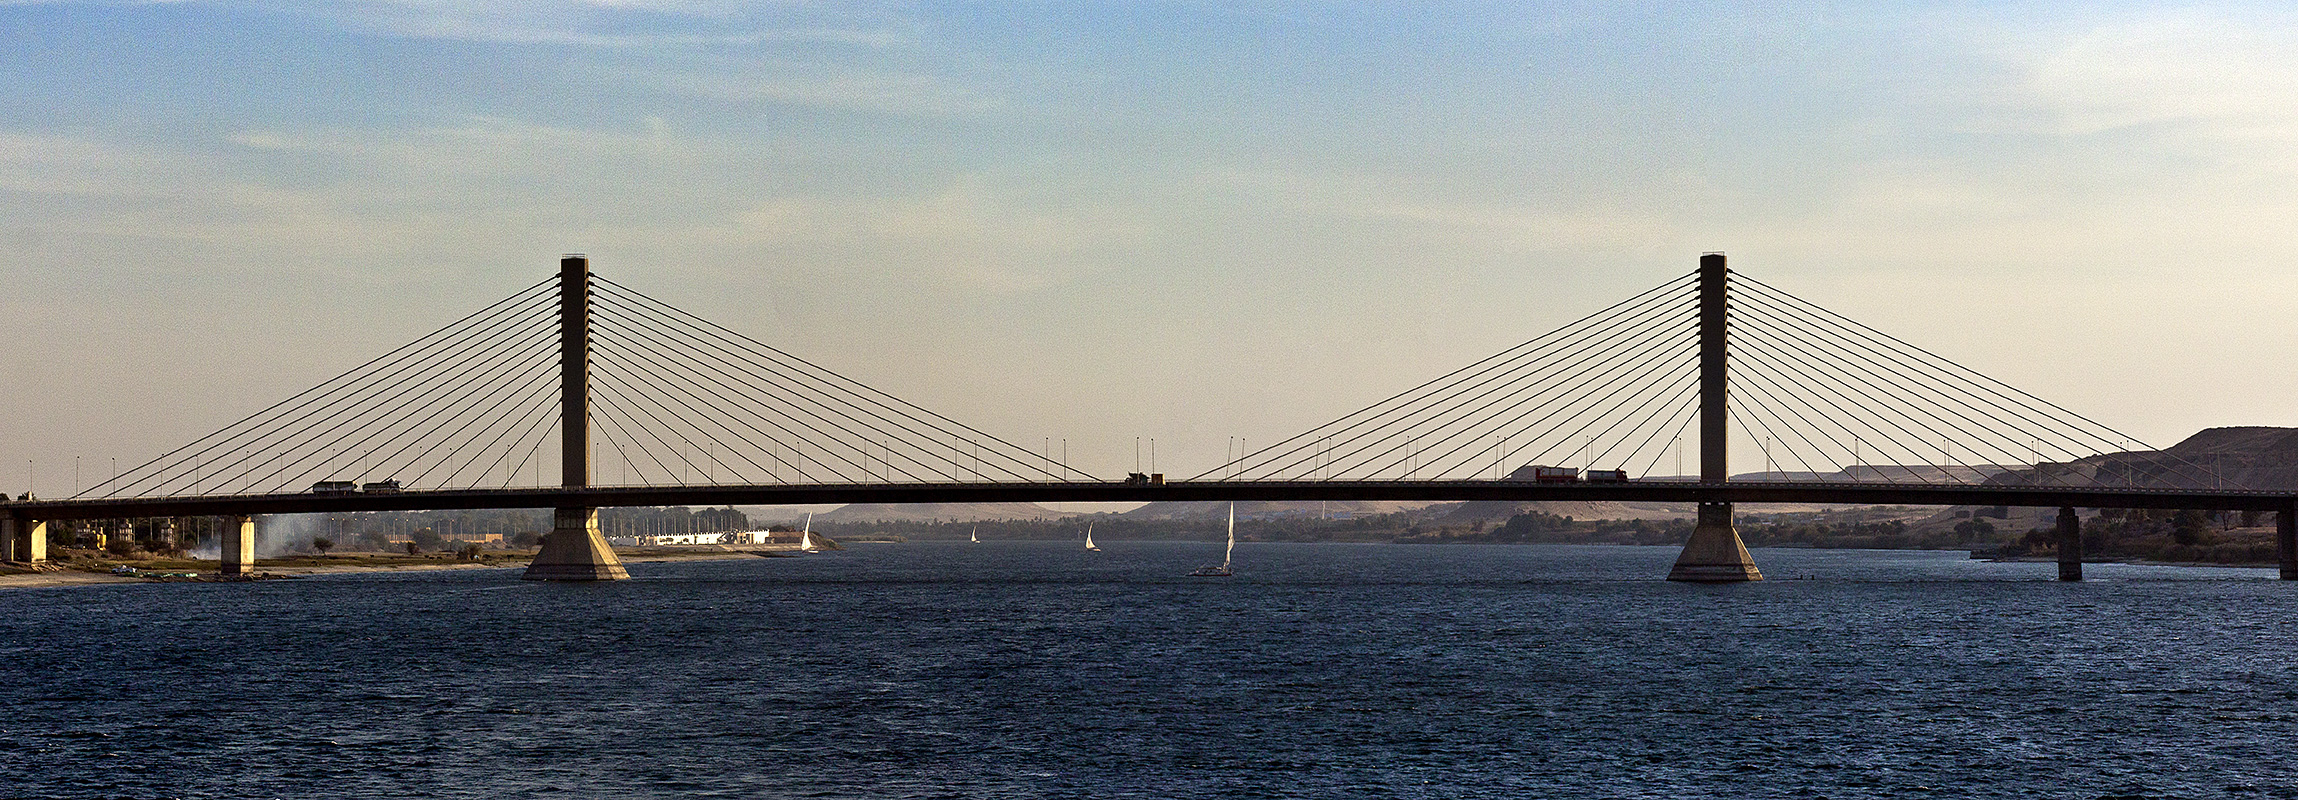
(806, 537)
(975, 535)
(1222, 570)
(1089, 538)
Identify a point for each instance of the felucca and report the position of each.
(806, 536)
(1089, 538)
(1222, 570)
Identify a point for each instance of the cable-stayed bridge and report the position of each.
(641, 404)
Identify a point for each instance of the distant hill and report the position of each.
(2255, 457)
(2250, 457)
(943, 512)
(1257, 509)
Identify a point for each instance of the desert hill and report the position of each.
(941, 512)
(1257, 509)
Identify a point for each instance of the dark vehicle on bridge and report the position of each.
(381, 487)
(1542, 474)
(1140, 479)
(335, 487)
(1607, 476)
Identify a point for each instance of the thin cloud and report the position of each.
(599, 24)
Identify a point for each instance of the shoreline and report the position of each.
(72, 577)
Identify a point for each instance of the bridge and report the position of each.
(704, 415)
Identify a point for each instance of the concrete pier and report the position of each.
(2070, 545)
(2286, 541)
(26, 540)
(576, 551)
(238, 546)
(1715, 553)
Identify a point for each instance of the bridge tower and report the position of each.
(575, 551)
(1715, 553)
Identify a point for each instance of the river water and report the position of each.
(1028, 670)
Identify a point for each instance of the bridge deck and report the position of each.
(1083, 491)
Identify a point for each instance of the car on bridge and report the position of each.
(335, 487)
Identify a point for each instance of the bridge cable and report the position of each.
(1898, 402)
(1240, 465)
(795, 435)
(685, 362)
(853, 387)
(1587, 390)
(1762, 384)
(1607, 359)
(683, 386)
(534, 403)
(1961, 376)
(1639, 354)
(472, 367)
(508, 397)
(699, 356)
(500, 386)
(1608, 342)
(1645, 354)
(188, 456)
(1876, 400)
(292, 442)
(1875, 367)
(1564, 343)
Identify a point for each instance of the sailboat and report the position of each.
(806, 537)
(975, 535)
(1089, 538)
(1222, 570)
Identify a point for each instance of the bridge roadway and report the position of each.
(1095, 491)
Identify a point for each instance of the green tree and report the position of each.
(322, 544)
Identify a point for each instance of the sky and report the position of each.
(1097, 222)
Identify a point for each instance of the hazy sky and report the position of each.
(1097, 222)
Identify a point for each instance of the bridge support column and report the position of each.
(1715, 553)
(237, 550)
(2070, 545)
(576, 550)
(26, 540)
(2286, 540)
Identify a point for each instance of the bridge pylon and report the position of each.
(1715, 553)
(575, 550)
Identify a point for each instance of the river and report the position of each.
(1036, 670)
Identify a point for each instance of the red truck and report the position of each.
(1542, 474)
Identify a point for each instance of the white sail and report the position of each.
(975, 535)
(1232, 551)
(806, 536)
(1089, 537)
